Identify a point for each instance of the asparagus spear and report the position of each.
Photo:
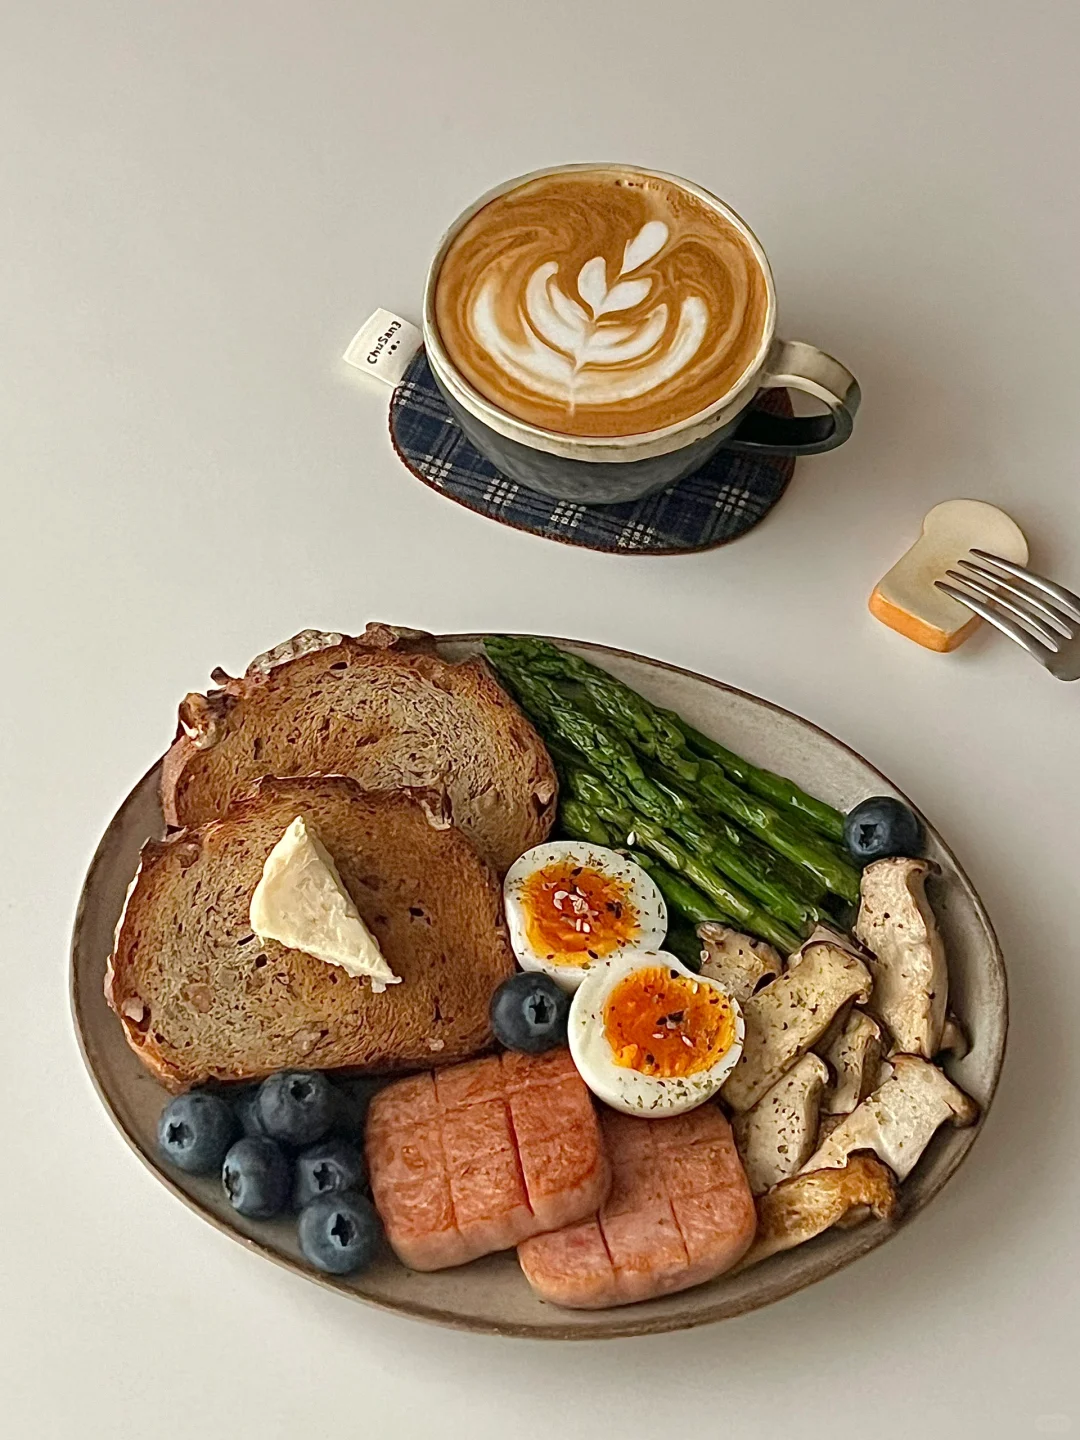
(656, 735)
(682, 898)
(650, 731)
(578, 822)
(685, 875)
(640, 831)
(782, 792)
(714, 834)
(682, 942)
(772, 866)
(601, 747)
(811, 851)
(681, 822)
(666, 737)
(638, 791)
(611, 753)
(731, 900)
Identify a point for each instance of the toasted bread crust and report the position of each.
(201, 999)
(383, 708)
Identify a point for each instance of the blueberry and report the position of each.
(328, 1167)
(195, 1130)
(529, 1013)
(256, 1177)
(339, 1233)
(880, 827)
(296, 1106)
(246, 1109)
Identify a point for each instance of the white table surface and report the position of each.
(199, 204)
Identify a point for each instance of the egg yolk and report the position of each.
(661, 1023)
(575, 913)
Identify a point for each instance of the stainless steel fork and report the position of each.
(1043, 618)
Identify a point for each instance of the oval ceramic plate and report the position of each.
(491, 1294)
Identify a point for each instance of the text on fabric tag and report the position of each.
(383, 346)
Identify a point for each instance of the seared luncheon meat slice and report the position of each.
(680, 1212)
(487, 1190)
(479, 1156)
(408, 1171)
(563, 1160)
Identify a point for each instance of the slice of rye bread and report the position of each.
(382, 707)
(200, 998)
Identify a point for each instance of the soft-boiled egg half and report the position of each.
(649, 1037)
(570, 904)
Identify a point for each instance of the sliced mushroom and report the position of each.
(855, 1056)
(740, 963)
(775, 1138)
(853, 1217)
(804, 1206)
(911, 983)
(833, 937)
(826, 1125)
(835, 1028)
(954, 1040)
(898, 1119)
(787, 1017)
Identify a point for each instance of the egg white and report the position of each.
(641, 891)
(618, 1085)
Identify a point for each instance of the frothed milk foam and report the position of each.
(601, 302)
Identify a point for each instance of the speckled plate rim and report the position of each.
(623, 1324)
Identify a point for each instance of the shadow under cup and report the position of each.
(600, 470)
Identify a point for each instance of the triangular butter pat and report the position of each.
(301, 902)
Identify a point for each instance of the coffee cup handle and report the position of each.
(794, 365)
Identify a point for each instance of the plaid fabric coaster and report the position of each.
(718, 503)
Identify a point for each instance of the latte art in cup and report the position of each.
(601, 302)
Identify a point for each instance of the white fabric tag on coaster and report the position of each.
(383, 346)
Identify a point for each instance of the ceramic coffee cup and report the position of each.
(603, 469)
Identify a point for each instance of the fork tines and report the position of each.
(1064, 599)
(1040, 616)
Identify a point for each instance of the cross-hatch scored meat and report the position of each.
(478, 1157)
(679, 1213)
